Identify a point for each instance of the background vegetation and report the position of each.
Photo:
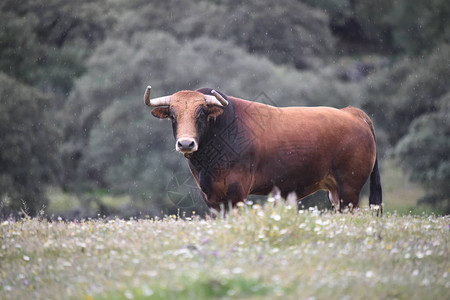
(72, 73)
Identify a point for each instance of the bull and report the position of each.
(236, 147)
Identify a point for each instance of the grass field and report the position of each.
(269, 252)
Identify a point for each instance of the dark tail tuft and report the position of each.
(375, 197)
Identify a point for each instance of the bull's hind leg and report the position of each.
(349, 197)
(350, 181)
(350, 200)
(343, 195)
(333, 196)
(350, 177)
(343, 200)
(332, 186)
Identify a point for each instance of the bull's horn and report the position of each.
(161, 101)
(216, 99)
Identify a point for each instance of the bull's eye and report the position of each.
(200, 113)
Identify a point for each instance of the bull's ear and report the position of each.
(161, 112)
(214, 111)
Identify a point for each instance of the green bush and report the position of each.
(398, 95)
(288, 33)
(425, 152)
(27, 148)
(402, 26)
(410, 102)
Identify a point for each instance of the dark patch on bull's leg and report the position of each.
(205, 183)
(234, 193)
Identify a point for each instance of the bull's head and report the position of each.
(190, 112)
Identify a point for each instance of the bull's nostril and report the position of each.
(186, 144)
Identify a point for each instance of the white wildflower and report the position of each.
(128, 294)
(275, 216)
(146, 291)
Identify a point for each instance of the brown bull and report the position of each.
(237, 147)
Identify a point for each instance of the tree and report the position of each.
(410, 102)
(19, 50)
(419, 26)
(289, 33)
(359, 26)
(45, 43)
(117, 70)
(402, 26)
(59, 22)
(410, 88)
(425, 153)
(27, 148)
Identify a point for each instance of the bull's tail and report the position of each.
(375, 196)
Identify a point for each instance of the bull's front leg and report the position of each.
(226, 191)
(226, 195)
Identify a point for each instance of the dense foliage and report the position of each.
(95, 57)
(28, 147)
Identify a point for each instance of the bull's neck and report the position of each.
(220, 145)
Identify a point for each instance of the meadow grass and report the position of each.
(270, 252)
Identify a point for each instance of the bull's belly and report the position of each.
(301, 179)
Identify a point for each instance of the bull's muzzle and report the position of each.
(186, 145)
